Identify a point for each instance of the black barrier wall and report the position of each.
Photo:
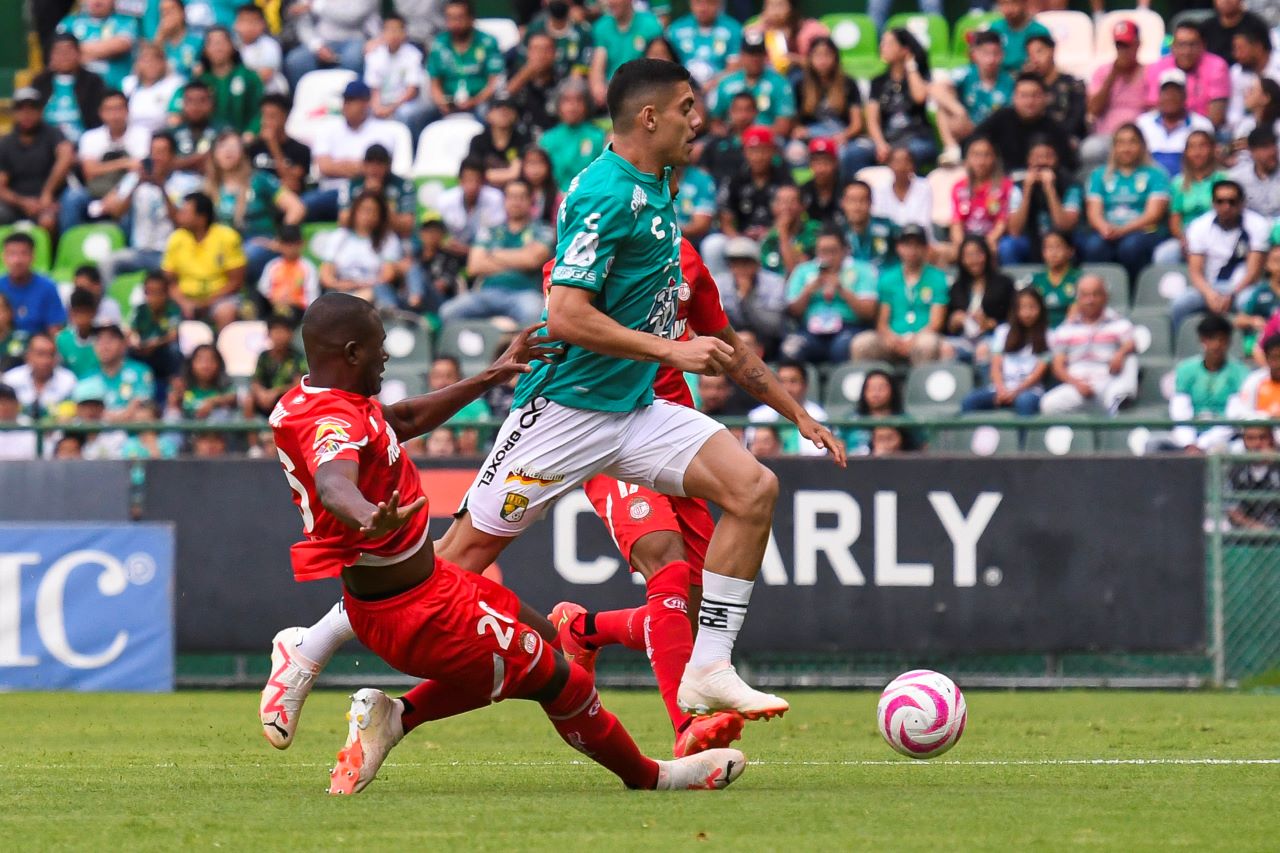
(922, 555)
(64, 491)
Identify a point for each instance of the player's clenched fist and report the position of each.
(707, 355)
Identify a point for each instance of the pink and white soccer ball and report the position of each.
(921, 713)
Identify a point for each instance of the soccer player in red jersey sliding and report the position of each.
(362, 507)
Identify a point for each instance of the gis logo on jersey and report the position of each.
(513, 507)
(331, 433)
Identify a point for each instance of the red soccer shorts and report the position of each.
(629, 512)
(459, 628)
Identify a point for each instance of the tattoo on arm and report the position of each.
(753, 380)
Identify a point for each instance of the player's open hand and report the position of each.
(529, 346)
(823, 438)
(706, 355)
(389, 516)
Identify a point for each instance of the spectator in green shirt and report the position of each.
(1203, 384)
(75, 340)
(1259, 303)
(1014, 26)
(130, 388)
(204, 391)
(619, 35)
(465, 64)
(870, 238)
(279, 368)
(913, 307)
(1190, 196)
(153, 334)
(775, 97)
(832, 297)
(1126, 205)
(792, 239)
(706, 40)
(1058, 281)
(445, 371)
(376, 176)
(237, 91)
(572, 39)
(575, 141)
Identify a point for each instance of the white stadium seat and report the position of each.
(319, 95)
(240, 343)
(402, 154)
(875, 176)
(1073, 38)
(443, 146)
(503, 29)
(1150, 30)
(191, 334)
(941, 182)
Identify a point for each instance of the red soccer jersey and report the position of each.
(699, 311)
(317, 425)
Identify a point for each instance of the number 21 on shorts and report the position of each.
(503, 627)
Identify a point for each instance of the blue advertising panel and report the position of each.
(86, 607)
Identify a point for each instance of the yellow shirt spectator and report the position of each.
(201, 266)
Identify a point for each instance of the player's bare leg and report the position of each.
(724, 473)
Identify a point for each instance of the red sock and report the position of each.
(432, 700)
(668, 634)
(589, 728)
(614, 628)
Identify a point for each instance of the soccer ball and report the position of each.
(921, 714)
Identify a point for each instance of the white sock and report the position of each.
(325, 637)
(720, 617)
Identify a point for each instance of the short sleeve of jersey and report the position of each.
(866, 281)
(940, 290)
(233, 257)
(1070, 198)
(1259, 232)
(337, 433)
(1184, 377)
(706, 314)
(594, 226)
(1159, 183)
(1095, 183)
(435, 56)
(493, 63)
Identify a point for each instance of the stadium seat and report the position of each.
(1073, 38)
(429, 189)
(1132, 441)
(1117, 282)
(967, 23)
(443, 145)
(408, 338)
(88, 244)
(126, 290)
(937, 389)
(474, 343)
(502, 29)
(855, 38)
(1059, 440)
(314, 235)
(1155, 388)
(317, 96)
(191, 334)
(1021, 273)
(1159, 284)
(931, 31)
(402, 158)
(402, 380)
(844, 386)
(986, 440)
(42, 261)
(240, 343)
(941, 181)
(1186, 343)
(1150, 30)
(875, 176)
(1152, 332)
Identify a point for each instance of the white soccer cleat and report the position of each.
(719, 688)
(292, 676)
(374, 728)
(706, 771)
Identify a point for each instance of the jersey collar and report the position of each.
(626, 166)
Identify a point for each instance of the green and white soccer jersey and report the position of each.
(464, 74)
(619, 239)
(774, 96)
(89, 29)
(697, 195)
(705, 51)
(62, 110)
(1124, 196)
(979, 99)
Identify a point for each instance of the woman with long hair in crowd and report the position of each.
(203, 391)
(1019, 359)
(1058, 280)
(788, 34)
(366, 258)
(896, 114)
(828, 101)
(535, 167)
(978, 302)
(1191, 194)
(980, 200)
(1262, 109)
(1126, 205)
(237, 90)
(151, 88)
(880, 397)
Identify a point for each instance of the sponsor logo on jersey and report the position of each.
(495, 460)
(676, 603)
(529, 642)
(513, 507)
(639, 509)
(331, 434)
(639, 200)
(526, 477)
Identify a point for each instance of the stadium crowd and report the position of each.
(942, 220)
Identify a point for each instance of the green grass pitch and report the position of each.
(1099, 770)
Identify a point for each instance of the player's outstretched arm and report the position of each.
(339, 494)
(418, 415)
(755, 377)
(572, 318)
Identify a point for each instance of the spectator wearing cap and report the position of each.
(36, 305)
(619, 35)
(575, 141)
(376, 176)
(332, 34)
(464, 64)
(1013, 128)
(1254, 60)
(1229, 18)
(75, 340)
(1117, 95)
(1167, 127)
(869, 238)
(340, 149)
(1260, 175)
(469, 207)
(273, 150)
(1225, 251)
(14, 444)
(1014, 26)
(820, 195)
(1208, 80)
(35, 160)
(832, 298)
(153, 334)
(279, 368)
(532, 86)
(1065, 92)
(501, 142)
(706, 41)
(107, 38)
(695, 204)
(775, 100)
(792, 238)
(912, 310)
(196, 130)
(746, 198)
(908, 198)
(753, 298)
(570, 36)
(69, 92)
(1126, 205)
(395, 74)
(40, 382)
(720, 150)
(973, 93)
(289, 282)
(1092, 355)
(130, 384)
(506, 264)
(205, 262)
(434, 274)
(896, 115)
(828, 101)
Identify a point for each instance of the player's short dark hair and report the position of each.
(1261, 137)
(1029, 77)
(21, 237)
(251, 9)
(1214, 326)
(83, 300)
(202, 203)
(471, 164)
(277, 100)
(640, 78)
(794, 364)
(982, 38)
(89, 271)
(1271, 343)
(833, 231)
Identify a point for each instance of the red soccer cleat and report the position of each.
(710, 732)
(563, 615)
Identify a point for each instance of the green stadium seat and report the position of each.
(43, 258)
(970, 21)
(1117, 281)
(1158, 284)
(313, 237)
(1131, 441)
(124, 288)
(408, 339)
(88, 244)
(937, 389)
(428, 190)
(403, 380)
(1060, 440)
(1155, 387)
(474, 343)
(1187, 342)
(844, 386)
(986, 440)
(855, 37)
(931, 31)
(1154, 335)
